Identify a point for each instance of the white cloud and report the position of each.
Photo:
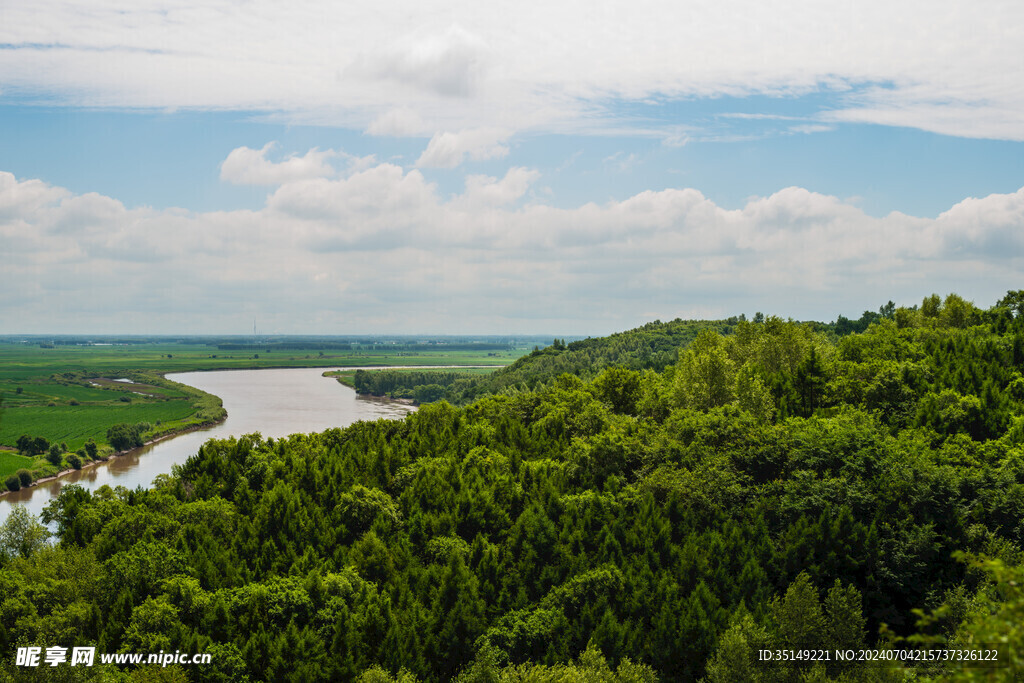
(91, 211)
(970, 120)
(26, 197)
(381, 247)
(952, 66)
(989, 227)
(448, 150)
(450, 63)
(623, 162)
(398, 122)
(484, 190)
(809, 128)
(245, 166)
(377, 208)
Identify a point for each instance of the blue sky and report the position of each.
(185, 167)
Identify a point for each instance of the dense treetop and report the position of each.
(657, 505)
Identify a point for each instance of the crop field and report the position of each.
(11, 463)
(23, 362)
(72, 393)
(74, 425)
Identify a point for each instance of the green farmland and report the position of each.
(25, 362)
(11, 463)
(74, 425)
(74, 407)
(71, 393)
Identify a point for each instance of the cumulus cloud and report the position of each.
(245, 166)
(989, 227)
(18, 199)
(448, 150)
(482, 190)
(382, 249)
(372, 206)
(87, 212)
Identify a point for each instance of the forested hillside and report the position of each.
(657, 512)
(651, 347)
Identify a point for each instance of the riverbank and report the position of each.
(203, 401)
(69, 391)
(119, 454)
(273, 402)
(407, 388)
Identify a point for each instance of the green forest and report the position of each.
(662, 504)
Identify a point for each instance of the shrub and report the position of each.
(54, 456)
(75, 461)
(13, 483)
(24, 476)
(123, 436)
(32, 446)
(91, 449)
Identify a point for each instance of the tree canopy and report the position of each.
(770, 485)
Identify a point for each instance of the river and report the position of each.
(273, 402)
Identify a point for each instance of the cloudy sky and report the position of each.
(538, 167)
